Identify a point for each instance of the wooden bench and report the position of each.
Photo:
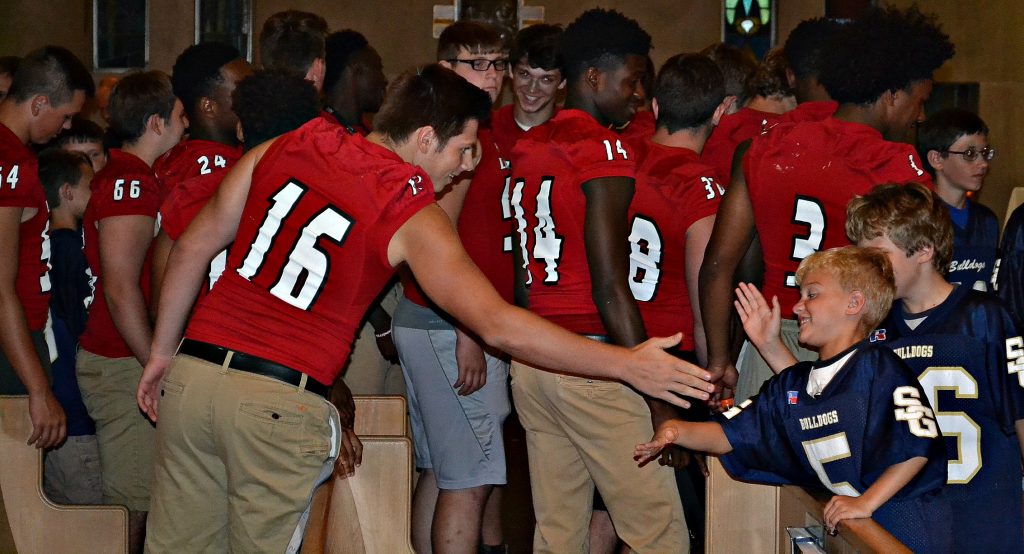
(370, 512)
(30, 522)
(743, 517)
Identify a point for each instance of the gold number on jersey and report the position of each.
(956, 424)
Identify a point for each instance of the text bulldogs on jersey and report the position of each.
(914, 351)
(820, 420)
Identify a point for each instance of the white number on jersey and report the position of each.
(1015, 357)
(712, 187)
(829, 449)
(204, 163)
(516, 203)
(12, 177)
(506, 212)
(547, 245)
(303, 276)
(956, 424)
(44, 279)
(134, 190)
(217, 265)
(618, 149)
(909, 408)
(810, 212)
(644, 258)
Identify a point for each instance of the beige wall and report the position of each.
(987, 49)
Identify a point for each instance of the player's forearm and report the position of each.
(1019, 425)
(17, 344)
(379, 318)
(894, 478)
(716, 310)
(131, 318)
(705, 436)
(186, 267)
(776, 354)
(619, 314)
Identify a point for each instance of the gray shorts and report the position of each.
(458, 437)
(71, 473)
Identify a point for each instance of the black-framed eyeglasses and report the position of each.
(972, 153)
(481, 64)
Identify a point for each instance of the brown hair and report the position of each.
(136, 97)
(473, 36)
(911, 215)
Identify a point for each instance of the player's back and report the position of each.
(550, 163)
(729, 133)
(674, 190)
(800, 178)
(311, 250)
(970, 360)
(192, 158)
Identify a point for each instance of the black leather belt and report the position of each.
(250, 364)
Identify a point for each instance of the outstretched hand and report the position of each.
(761, 322)
(666, 377)
(665, 435)
(845, 507)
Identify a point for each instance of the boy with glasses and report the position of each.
(954, 147)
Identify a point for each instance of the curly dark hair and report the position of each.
(601, 38)
(538, 45)
(887, 49)
(341, 46)
(272, 102)
(943, 128)
(196, 72)
(807, 43)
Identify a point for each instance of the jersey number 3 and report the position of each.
(301, 279)
(807, 211)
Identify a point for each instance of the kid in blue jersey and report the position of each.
(967, 352)
(856, 422)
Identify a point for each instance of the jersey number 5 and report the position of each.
(957, 425)
(303, 275)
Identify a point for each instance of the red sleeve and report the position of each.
(602, 157)
(699, 198)
(127, 194)
(171, 221)
(405, 191)
(18, 183)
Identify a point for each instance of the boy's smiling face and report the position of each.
(826, 313)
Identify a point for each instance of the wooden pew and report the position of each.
(30, 522)
(370, 512)
(743, 517)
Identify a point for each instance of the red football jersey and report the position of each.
(311, 250)
(20, 188)
(728, 134)
(674, 190)
(505, 129)
(183, 204)
(800, 178)
(549, 165)
(125, 186)
(810, 111)
(193, 158)
(640, 128)
(485, 223)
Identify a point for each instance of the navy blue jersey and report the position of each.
(1010, 279)
(970, 361)
(72, 292)
(975, 248)
(872, 415)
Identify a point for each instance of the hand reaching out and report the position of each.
(845, 507)
(761, 323)
(665, 435)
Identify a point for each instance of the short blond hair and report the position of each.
(867, 270)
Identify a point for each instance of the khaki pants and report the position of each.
(754, 371)
(580, 433)
(238, 458)
(125, 436)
